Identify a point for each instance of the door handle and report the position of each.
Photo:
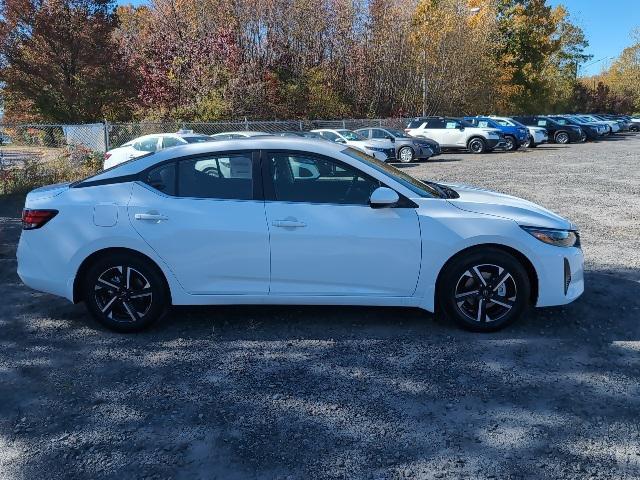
(288, 223)
(156, 217)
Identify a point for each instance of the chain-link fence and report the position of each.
(100, 137)
(29, 151)
(120, 133)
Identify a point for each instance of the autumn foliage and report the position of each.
(85, 60)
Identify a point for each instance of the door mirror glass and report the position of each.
(383, 197)
(392, 138)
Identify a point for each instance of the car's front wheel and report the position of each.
(484, 290)
(405, 154)
(511, 142)
(125, 293)
(562, 138)
(477, 145)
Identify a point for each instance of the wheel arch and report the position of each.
(521, 257)
(476, 136)
(78, 287)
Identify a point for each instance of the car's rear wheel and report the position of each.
(511, 142)
(405, 154)
(477, 145)
(125, 293)
(484, 290)
(562, 138)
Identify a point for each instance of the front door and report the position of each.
(326, 240)
(209, 226)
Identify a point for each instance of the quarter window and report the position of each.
(163, 178)
(224, 177)
(435, 123)
(311, 179)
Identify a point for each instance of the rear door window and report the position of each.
(223, 177)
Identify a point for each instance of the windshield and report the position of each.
(398, 133)
(349, 135)
(413, 184)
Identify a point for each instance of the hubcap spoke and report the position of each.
(504, 302)
(131, 311)
(141, 293)
(108, 284)
(475, 273)
(109, 305)
(460, 296)
(501, 279)
(482, 311)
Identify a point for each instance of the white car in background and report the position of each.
(238, 134)
(149, 144)
(382, 149)
(157, 231)
(537, 135)
(457, 133)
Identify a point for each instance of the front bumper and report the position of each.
(560, 265)
(540, 137)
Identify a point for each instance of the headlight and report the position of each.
(559, 238)
(375, 149)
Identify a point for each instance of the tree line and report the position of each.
(204, 60)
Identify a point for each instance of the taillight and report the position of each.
(32, 219)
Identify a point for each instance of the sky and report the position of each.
(607, 25)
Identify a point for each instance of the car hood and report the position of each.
(524, 212)
(537, 129)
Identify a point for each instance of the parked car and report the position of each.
(237, 135)
(514, 135)
(601, 128)
(635, 124)
(562, 134)
(382, 149)
(148, 144)
(407, 148)
(132, 240)
(624, 123)
(612, 126)
(589, 131)
(537, 135)
(456, 133)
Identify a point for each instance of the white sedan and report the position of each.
(150, 143)
(382, 149)
(249, 222)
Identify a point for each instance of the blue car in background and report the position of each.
(514, 136)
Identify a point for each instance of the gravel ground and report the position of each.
(317, 392)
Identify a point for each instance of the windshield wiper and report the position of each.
(443, 190)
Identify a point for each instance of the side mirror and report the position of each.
(339, 140)
(461, 128)
(392, 138)
(383, 197)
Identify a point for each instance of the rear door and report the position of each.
(453, 134)
(434, 129)
(205, 218)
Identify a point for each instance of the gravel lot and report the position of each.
(293, 392)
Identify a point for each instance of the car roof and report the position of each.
(303, 144)
(245, 133)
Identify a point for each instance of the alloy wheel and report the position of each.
(485, 293)
(511, 144)
(123, 294)
(562, 137)
(476, 145)
(405, 154)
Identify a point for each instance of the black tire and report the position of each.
(561, 137)
(504, 280)
(125, 293)
(583, 136)
(477, 145)
(529, 143)
(512, 143)
(405, 154)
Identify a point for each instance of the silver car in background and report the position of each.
(407, 148)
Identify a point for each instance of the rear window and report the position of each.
(198, 139)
